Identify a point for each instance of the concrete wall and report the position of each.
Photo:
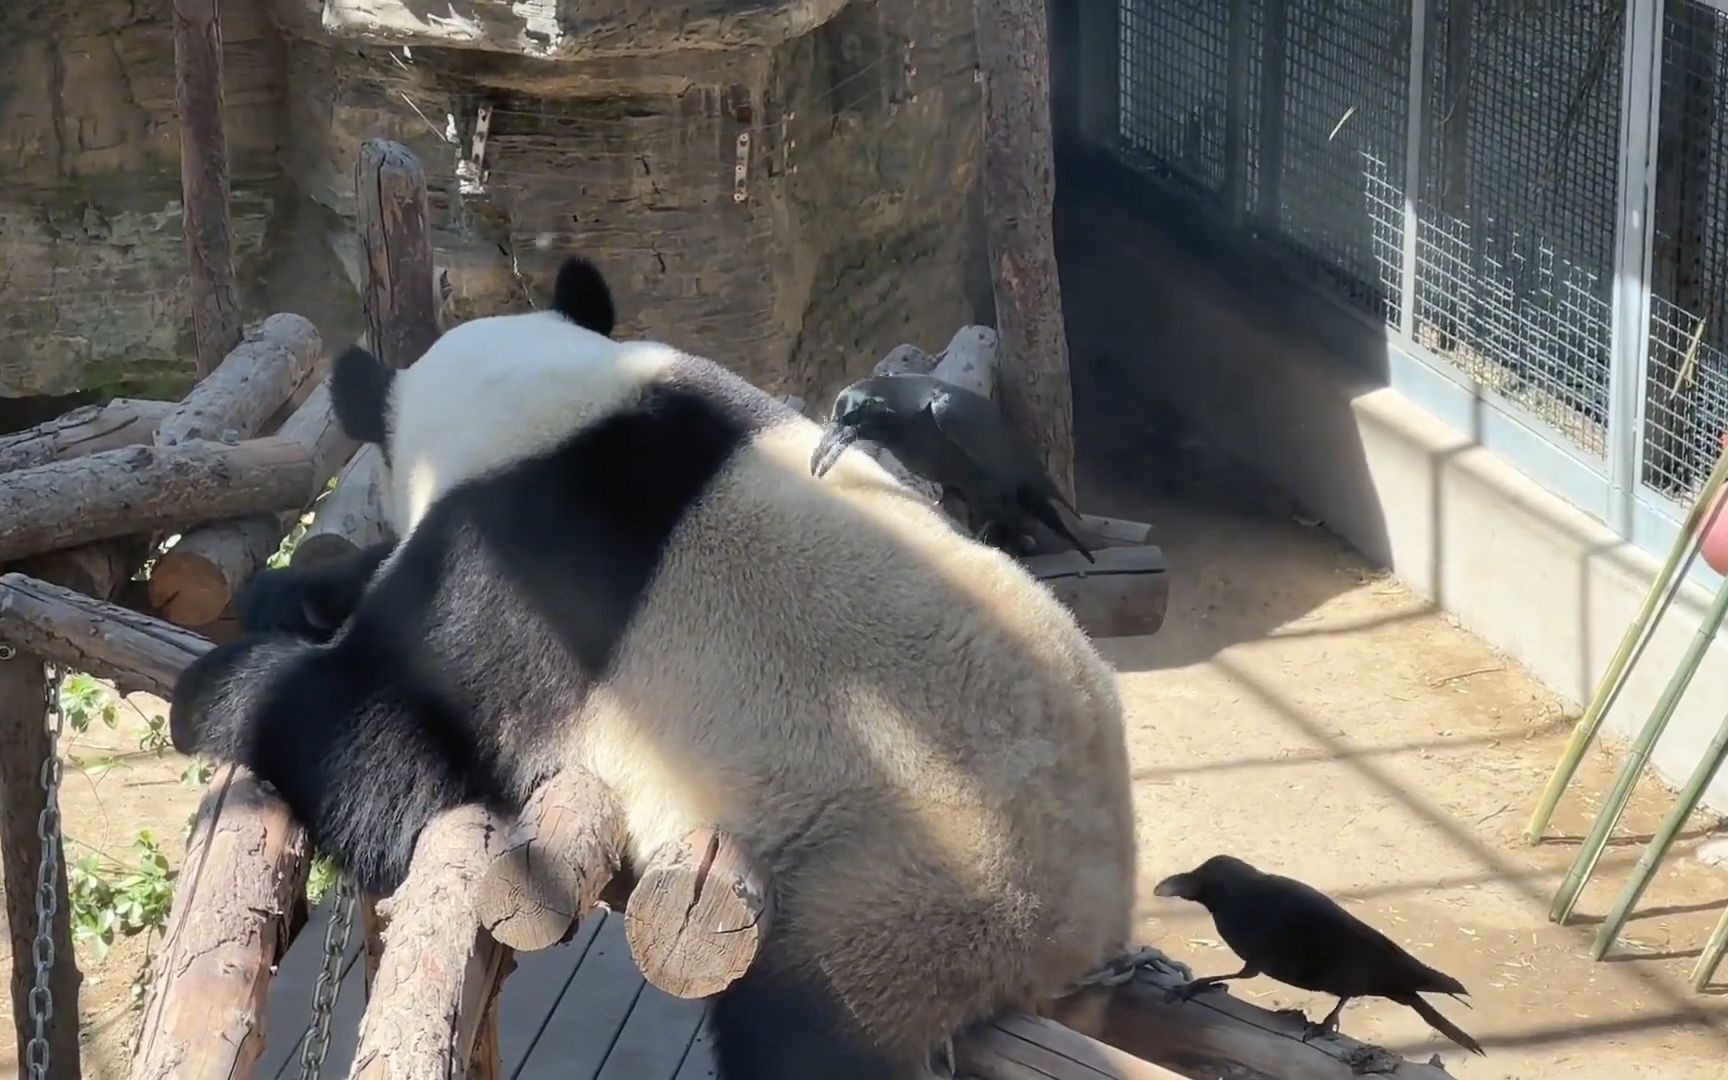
(1295, 385)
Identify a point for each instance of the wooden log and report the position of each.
(139, 488)
(96, 570)
(399, 291)
(24, 736)
(204, 179)
(108, 641)
(350, 517)
(568, 843)
(257, 376)
(1215, 1034)
(439, 968)
(196, 580)
(245, 870)
(1019, 188)
(1126, 593)
(1032, 1048)
(85, 430)
(699, 914)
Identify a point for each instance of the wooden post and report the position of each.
(24, 735)
(699, 914)
(566, 845)
(1019, 191)
(439, 970)
(245, 868)
(398, 287)
(204, 179)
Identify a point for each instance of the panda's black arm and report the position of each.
(310, 602)
(358, 769)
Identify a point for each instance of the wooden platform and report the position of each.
(576, 1012)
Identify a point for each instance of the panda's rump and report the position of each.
(906, 728)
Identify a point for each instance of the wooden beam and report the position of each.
(699, 914)
(245, 868)
(260, 373)
(108, 641)
(567, 844)
(1126, 593)
(1019, 190)
(196, 580)
(204, 179)
(1032, 1048)
(439, 969)
(84, 430)
(399, 290)
(24, 736)
(140, 488)
(1215, 1034)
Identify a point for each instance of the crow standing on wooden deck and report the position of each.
(956, 438)
(1297, 935)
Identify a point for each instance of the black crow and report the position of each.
(1297, 935)
(955, 438)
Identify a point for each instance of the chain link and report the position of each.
(317, 1043)
(47, 871)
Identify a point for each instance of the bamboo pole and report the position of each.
(1712, 954)
(1656, 604)
(1662, 841)
(1585, 864)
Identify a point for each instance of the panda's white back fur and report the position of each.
(933, 759)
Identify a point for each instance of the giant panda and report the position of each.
(612, 554)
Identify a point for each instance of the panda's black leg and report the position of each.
(310, 602)
(358, 769)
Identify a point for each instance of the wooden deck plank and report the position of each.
(288, 1010)
(655, 1038)
(699, 1062)
(580, 1011)
(533, 990)
(589, 1014)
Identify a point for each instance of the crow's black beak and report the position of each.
(835, 439)
(1180, 886)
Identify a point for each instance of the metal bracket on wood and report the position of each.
(741, 169)
(911, 71)
(471, 170)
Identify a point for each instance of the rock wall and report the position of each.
(853, 227)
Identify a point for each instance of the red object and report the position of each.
(1715, 543)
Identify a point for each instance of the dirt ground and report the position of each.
(1311, 715)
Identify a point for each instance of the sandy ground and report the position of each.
(1311, 715)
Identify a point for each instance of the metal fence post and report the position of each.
(1413, 134)
(1636, 186)
(1274, 42)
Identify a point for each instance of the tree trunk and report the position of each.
(1019, 191)
(204, 179)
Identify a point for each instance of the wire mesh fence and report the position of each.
(1294, 118)
(1686, 382)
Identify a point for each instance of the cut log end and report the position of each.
(699, 914)
(565, 849)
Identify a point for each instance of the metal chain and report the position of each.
(317, 1042)
(47, 871)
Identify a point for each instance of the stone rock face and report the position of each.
(788, 187)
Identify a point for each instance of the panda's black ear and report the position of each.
(582, 296)
(360, 394)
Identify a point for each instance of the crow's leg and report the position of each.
(1327, 1025)
(1189, 989)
